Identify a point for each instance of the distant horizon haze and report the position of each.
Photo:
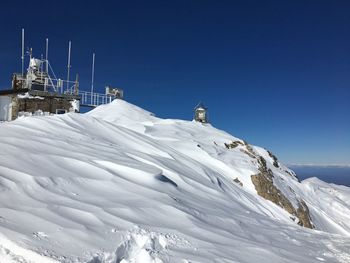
(335, 174)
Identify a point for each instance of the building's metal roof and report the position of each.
(200, 105)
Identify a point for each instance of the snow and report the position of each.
(118, 184)
(28, 96)
(10, 252)
(75, 106)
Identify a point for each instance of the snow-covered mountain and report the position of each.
(118, 184)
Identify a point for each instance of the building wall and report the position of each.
(5, 108)
(45, 104)
(15, 105)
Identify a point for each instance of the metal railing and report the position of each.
(58, 86)
(94, 99)
(49, 84)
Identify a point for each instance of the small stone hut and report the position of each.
(201, 113)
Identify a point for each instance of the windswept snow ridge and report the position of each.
(119, 185)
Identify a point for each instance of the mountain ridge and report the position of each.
(121, 185)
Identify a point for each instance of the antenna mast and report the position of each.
(68, 66)
(47, 56)
(22, 52)
(92, 76)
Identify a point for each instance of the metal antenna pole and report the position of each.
(47, 55)
(22, 52)
(92, 76)
(68, 66)
(41, 66)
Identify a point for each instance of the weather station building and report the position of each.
(39, 92)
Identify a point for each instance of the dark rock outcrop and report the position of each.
(236, 180)
(274, 158)
(292, 175)
(263, 182)
(233, 144)
(265, 187)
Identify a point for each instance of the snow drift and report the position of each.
(120, 185)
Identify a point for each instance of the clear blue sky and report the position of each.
(275, 73)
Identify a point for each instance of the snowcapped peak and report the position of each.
(118, 184)
(122, 112)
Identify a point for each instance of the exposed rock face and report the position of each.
(304, 215)
(292, 175)
(275, 160)
(263, 182)
(265, 187)
(233, 144)
(249, 150)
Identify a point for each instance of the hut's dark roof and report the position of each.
(200, 105)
